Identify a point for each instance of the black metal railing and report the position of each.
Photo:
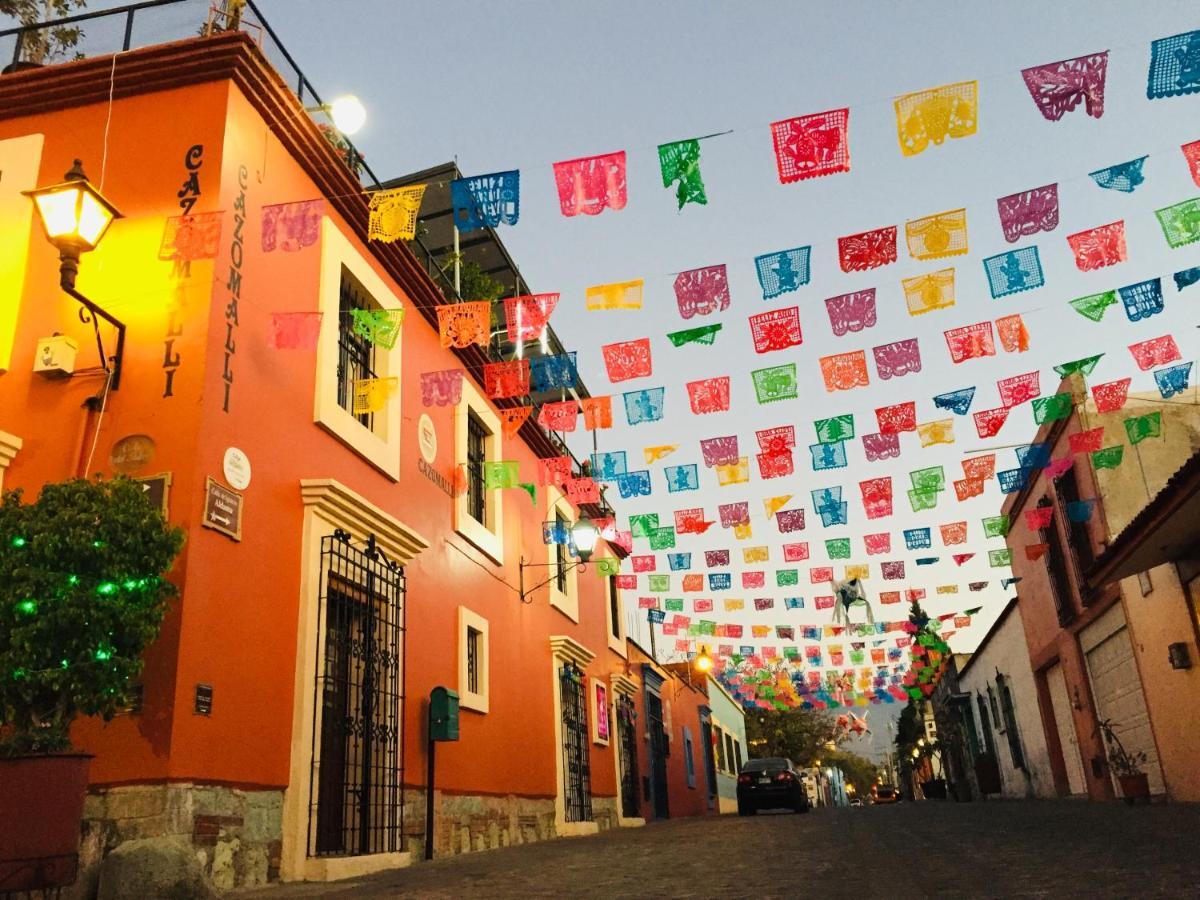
(356, 797)
(577, 789)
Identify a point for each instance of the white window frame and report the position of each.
(486, 536)
(380, 444)
(468, 699)
(615, 629)
(566, 602)
(595, 685)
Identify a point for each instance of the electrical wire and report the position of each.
(99, 421)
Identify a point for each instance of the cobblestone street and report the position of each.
(1016, 849)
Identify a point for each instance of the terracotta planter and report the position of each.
(1134, 787)
(40, 819)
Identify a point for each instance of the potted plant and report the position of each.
(1125, 765)
(82, 594)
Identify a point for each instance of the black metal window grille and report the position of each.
(737, 754)
(1079, 535)
(477, 435)
(986, 725)
(560, 555)
(729, 753)
(577, 788)
(722, 763)
(474, 636)
(659, 750)
(1056, 569)
(1010, 722)
(614, 608)
(356, 797)
(356, 354)
(627, 746)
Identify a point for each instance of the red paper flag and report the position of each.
(898, 418)
(1091, 440)
(588, 185)
(1111, 396)
(811, 146)
(989, 421)
(777, 329)
(626, 360)
(709, 395)
(867, 249)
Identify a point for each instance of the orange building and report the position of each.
(332, 574)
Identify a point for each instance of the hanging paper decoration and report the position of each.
(1098, 247)
(789, 520)
(1053, 408)
(980, 466)
(837, 428)
(778, 329)
(1124, 177)
(812, 146)
(1191, 153)
(588, 185)
(1139, 428)
(1174, 380)
(851, 312)
(501, 474)
(734, 473)
(682, 478)
(989, 421)
(441, 388)
(771, 505)
(970, 342)
(559, 416)
(525, 317)
(1143, 299)
(958, 402)
(691, 521)
(1109, 457)
(837, 548)
(186, 239)
(1014, 271)
(1187, 278)
(777, 465)
(379, 326)
(702, 291)
(654, 454)
(878, 543)
(553, 373)
(512, 419)
(709, 395)
(881, 446)
(463, 324)
(897, 358)
(845, 371)
(1028, 212)
(1019, 389)
(294, 331)
(714, 558)
(371, 394)
(949, 111)
(779, 382)
(645, 563)
(705, 334)
(877, 497)
(1174, 66)
(892, 571)
(1038, 518)
(867, 250)
(660, 538)
(933, 237)
(619, 295)
(1059, 467)
(917, 538)
(720, 451)
(644, 406)
(898, 418)
(1080, 510)
(627, 360)
(829, 504)
(597, 412)
(954, 533)
(999, 558)
(780, 272)
(995, 526)
(940, 431)
(486, 200)
(795, 552)
(1058, 87)
(1181, 222)
(680, 165)
(925, 293)
(557, 469)
(1155, 352)
(393, 214)
(828, 456)
(642, 524)
(292, 226)
(779, 439)
(1014, 336)
(1111, 396)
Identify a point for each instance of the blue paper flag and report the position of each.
(793, 602)
(644, 406)
(608, 465)
(958, 402)
(917, 538)
(1080, 510)
(1173, 380)
(1143, 299)
(1014, 271)
(1012, 480)
(719, 581)
(1174, 70)
(657, 616)
(679, 562)
(1187, 278)
(1008, 582)
(682, 478)
(1124, 176)
(486, 200)
(1034, 456)
(926, 560)
(746, 649)
(828, 456)
(779, 273)
(555, 533)
(838, 514)
(634, 484)
(552, 373)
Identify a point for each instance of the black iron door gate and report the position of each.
(356, 798)
(658, 756)
(627, 747)
(577, 788)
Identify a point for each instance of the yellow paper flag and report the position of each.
(773, 504)
(942, 234)
(371, 394)
(858, 571)
(742, 530)
(731, 605)
(947, 588)
(760, 630)
(926, 293)
(754, 554)
(619, 295)
(394, 213)
(734, 473)
(939, 432)
(653, 454)
(949, 111)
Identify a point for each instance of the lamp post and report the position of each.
(584, 535)
(75, 217)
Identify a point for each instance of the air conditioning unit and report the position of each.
(55, 357)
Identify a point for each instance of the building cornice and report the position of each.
(566, 647)
(9, 445)
(623, 684)
(346, 509)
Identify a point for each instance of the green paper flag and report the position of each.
(775, 383)
(1082, 366)
(659, 583)
(530, 489)
(643, 525)
(972, 611)
(1094, 305)
(856, 657)
(680, 163)
(838, 548)
(1108, 458)
(662, 538)
(1141, 427)
(920, 500)
(1181, 222)
(674, 604)
(503, 474)
(787, 577)
(931, 479)
(995, 526)
(705, 334)
(997, 558)
(607, 566)
(839, 428)
(1050, 409)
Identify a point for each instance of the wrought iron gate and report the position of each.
(659, 747)
(576, 773)
(627, 747)
(356, 797)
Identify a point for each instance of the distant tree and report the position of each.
(45, 43)
(801, 735)
(858, 770)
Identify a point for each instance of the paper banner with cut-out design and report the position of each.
(1050, 409)
(1124, 177)
(186, 239)
(1038, 518)
(1086, 441)
(607, 566)
(682, 478)
(1186, 278)
(881, 446)
(898, 358)
(555, 470)
(794, 552)
(1155, 352)
(966, 488)
(1081, 510)
(1138, 428)
(776, 465)
(837, 428)
(1099, 247)
(828, 456)
(486, 200)
(525, 317)
(954, 533)
(627, 360)
(867, 249)
(777, 329)
(618, 295)
(641, 524)
(940, 431)
(442, 388)
(562, 416)
(1111, 395)
(506, 379)
(788, 521)
(705, 334)
(393, 213)
(837, 548)
(291, 226)
(294, 331)
(780, 272)
(1094, 306)
(877, 543)
(654, 454)
(463, 324)
(897, 418)
(812, 146)
(1191, 153)
(1083, 366)
(734, 473)
(597, 412)
(1058, 87)
(512, 419)
(772, 505)
(699, 292)
(1028, 212)
(379, 326)
(851, 312)
(844, 371)
(957, 402)
(1014, 271)
(1173, 380)
(679, 163)
(1180, 222)
(1019, 389)
(988, 422)
(1109, 457)
(371, 394)
(585, 490)
(501, 474)
(999, 558)
(933, 237)
(589, 185)
(778, 382)
(917, 538)
(553, 373)
(660, 538)
(877, 496)
(531, 490)
(1014, 336)
(1173, 67)
(970, 342)
(995, 526)
(709, 395)
(644, 405)
(719, 451)
(932, 116)
(925, 293)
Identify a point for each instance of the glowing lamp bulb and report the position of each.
(348, 114)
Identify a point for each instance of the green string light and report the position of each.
(19, 541)
(106, 588)
(27, 607)
(104, 653)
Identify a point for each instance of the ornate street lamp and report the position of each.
(584, 535)
(75, 217)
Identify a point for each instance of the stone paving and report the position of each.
(931, 849)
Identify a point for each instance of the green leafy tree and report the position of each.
(82, 594)
(858, 770)
(46, 43)
(801, 735)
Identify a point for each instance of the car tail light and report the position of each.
(784, 776)
(744, 779)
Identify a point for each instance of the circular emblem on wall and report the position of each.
(236, 467)
(132, 453)
(427, 438)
